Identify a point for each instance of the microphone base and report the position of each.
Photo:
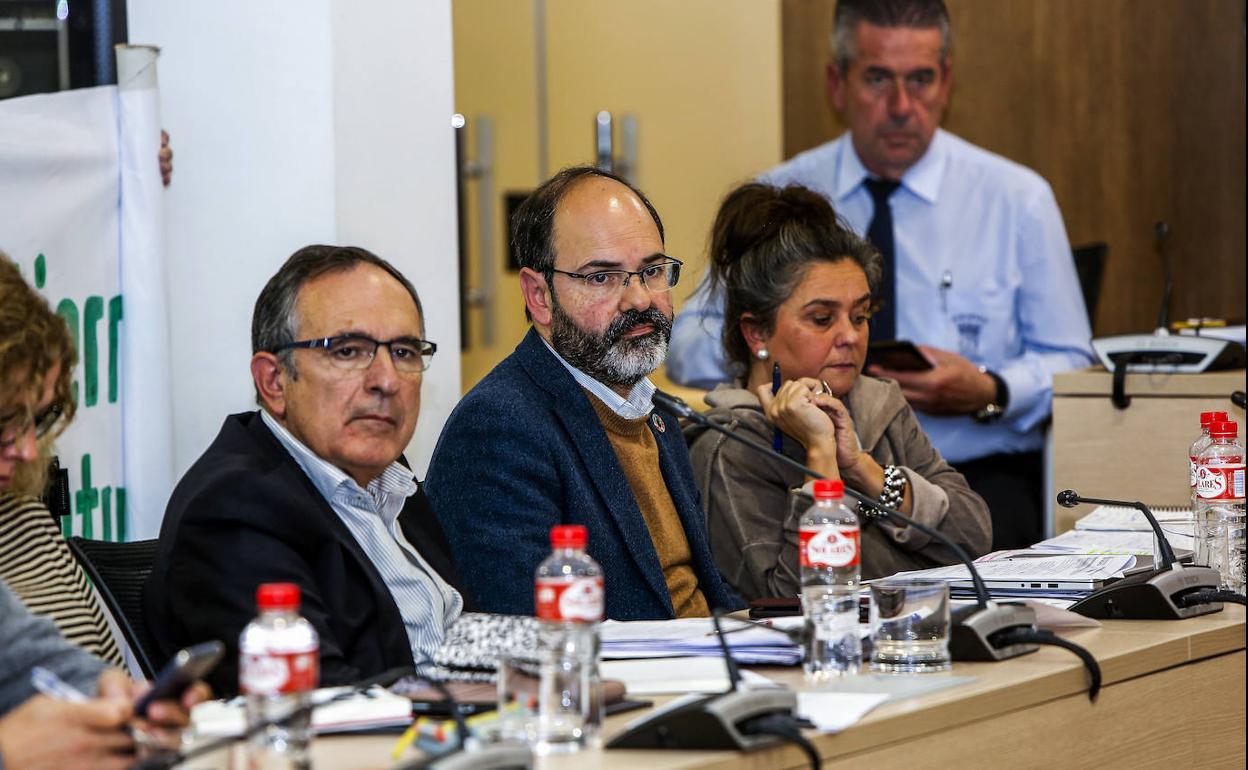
(498, 756)
(974, 631)
(711, 723)
(1151, 596)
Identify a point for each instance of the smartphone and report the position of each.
(898, 355)
(775, 607)
(183, 669)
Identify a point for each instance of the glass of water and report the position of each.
(909, 626)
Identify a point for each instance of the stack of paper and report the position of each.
(368, 710)
(1121, 519)
(695, 637)
(1106, 542)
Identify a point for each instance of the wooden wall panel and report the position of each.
(1132, 109)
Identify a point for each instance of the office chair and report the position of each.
(1090, 265)
(118, 571)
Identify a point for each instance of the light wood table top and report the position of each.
(1050, 683)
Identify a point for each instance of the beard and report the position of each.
(610, 357)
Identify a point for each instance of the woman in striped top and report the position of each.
(36, 363)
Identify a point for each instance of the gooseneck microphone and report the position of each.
(1169, 591)
(979, 631)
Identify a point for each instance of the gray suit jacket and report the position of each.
(754, 512)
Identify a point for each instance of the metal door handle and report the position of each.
(480, 169)
(623, 164)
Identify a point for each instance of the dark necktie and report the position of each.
(880, 233)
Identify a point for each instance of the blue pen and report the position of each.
(777, 440)
(53, 686)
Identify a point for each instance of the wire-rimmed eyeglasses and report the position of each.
(657, 278)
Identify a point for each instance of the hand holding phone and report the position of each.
(898, 356)
(183, 669)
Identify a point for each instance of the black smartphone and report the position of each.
(183, 669)
(898, 355)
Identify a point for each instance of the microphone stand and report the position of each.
(736, 720)
(978, 631)
(1169, 591)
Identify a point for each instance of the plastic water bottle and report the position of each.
(1220, 504)
(279, 667)
(1198, 446)
(569, 595)
(830, 544)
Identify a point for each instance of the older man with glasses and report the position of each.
(313, 488)
(563, 432)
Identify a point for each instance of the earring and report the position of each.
(762, 354)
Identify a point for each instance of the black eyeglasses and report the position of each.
(356, 351)
(42, 423)
(658, 278)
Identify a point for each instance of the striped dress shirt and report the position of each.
(427, 603)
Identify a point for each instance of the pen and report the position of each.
(777, 440)
(946, 283)
(53, 686)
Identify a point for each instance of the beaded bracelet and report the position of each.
(893, 494)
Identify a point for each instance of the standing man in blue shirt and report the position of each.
(981, 274)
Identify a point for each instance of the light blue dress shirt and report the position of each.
(427, 603)
(984, 269)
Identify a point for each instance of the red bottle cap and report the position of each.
(829, 489)
(1225, 429)
(568, 536)
(1209, 418)
(277, 596)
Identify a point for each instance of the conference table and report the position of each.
(1173, 696)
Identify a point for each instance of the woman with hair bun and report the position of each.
(798, 290)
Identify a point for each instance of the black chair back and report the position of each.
(1090, 264)
(119, 572)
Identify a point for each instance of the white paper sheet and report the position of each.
(1106, 542)
(1112, 517)
(379, 708)
(672, 676)
(695, 636)
(834, 711)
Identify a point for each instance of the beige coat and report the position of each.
(754, 502)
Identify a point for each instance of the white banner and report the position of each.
(80, 213)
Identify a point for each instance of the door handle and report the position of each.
(623, 163)
(479, 170)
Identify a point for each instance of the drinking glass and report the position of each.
(909, 626)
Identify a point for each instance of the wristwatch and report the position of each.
(995, 408)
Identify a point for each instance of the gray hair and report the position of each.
(275, 320)
(763, 243)
(918, 14)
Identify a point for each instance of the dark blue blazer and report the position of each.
(245, 514)
(525, 451)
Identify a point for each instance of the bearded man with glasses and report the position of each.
(563, 430)
(313, 488)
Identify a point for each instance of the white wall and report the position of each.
(317, 121)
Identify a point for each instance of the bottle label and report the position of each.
(829, 546)
(579, 599)
(279, 673)
(1191, 468)
(1220, 482)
